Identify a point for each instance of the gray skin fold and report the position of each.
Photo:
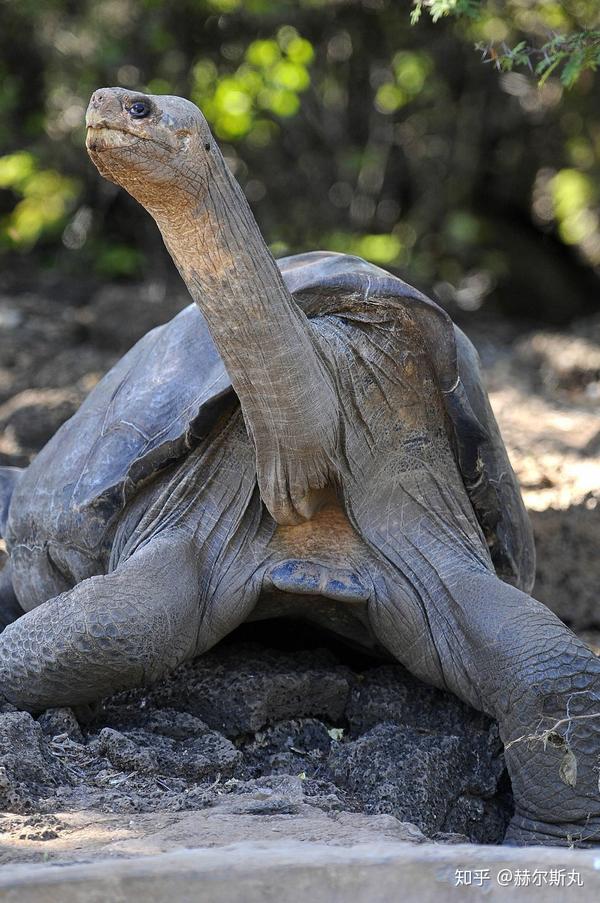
(357, 467)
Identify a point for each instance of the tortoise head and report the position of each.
(157, 147)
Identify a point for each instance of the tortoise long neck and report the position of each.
(231, 275)
(262, 335)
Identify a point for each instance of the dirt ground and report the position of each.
(285, 732)
(545, 390)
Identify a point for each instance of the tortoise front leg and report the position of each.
(506, 654)
(115, 632)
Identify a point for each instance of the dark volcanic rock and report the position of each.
(61, 722)
(289, 747)
(28, 771)
(125, 754)
(309, 733)
(195, 758)
(238, 690)
(390, 693)
(440, 767)
(424, 777)
(178, 725)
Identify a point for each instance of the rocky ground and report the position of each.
(268, 735)
(285, 730)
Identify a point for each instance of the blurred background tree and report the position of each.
(348, 127)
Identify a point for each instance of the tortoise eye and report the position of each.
(139, 109)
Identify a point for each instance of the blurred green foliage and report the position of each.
(44, 199)
(273, 74)
(568, 52)
(348, 128)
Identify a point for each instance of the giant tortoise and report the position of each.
(311, 439)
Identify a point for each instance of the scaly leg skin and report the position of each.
(187, 575)
(114, 632)
(506, 654)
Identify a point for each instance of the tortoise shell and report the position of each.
(165, 394)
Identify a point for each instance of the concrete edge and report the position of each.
(290, 871)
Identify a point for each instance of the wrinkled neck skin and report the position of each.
(262, 335)
(228, 269)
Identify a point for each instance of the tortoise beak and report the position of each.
(105, 108)
(106, 120)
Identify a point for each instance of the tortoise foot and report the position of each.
(524, 832)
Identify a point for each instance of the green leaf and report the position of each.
(572, 69)
(549, 68)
